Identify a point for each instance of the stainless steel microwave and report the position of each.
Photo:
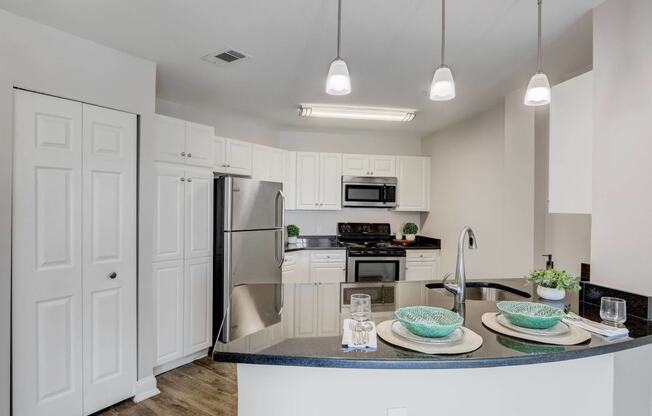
(361, 191)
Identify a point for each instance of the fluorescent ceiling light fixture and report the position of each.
(356, 112)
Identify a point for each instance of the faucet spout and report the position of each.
(459, 287)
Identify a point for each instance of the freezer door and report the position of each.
(254, 205)
(256, 257)
(253, 308)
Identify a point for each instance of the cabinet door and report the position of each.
(330, 179)
(169, 214)
(276, 165)
(168, 310)
(109, 256)
(355, 165)
(238, 157)
(426, 270)
(47, 256)
(199, 145)
(382, 165)
(290, 179)
(219, 154)
(307, 180)
(198, 305)
(261, 162)
(198, 214)
(170, 138)
(327, 272)
(413, 183)
(287, 316)
(328, 316)
(305, 310)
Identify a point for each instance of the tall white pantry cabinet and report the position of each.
(182, 242)
(74, 256)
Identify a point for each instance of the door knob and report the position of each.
(113, 275)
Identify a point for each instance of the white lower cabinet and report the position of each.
(422, 265)
(197, 304)
(168, 310)
(316, 309)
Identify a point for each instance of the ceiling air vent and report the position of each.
(226, 57)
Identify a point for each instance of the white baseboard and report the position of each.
(145, 388)
(179, 362)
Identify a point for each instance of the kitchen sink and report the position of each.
(485, 291)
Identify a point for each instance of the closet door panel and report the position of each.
(109, 256)
(46, 256)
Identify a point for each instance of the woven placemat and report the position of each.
(470, 342)
(574, 336)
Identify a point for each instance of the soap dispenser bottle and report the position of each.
(549, 263)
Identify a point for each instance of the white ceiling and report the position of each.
(391, 47)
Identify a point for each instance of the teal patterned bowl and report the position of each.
(429, 322)
(530, 315)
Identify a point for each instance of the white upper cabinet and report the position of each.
(199, 145)
(169, 214)
(232, 156)
(355, 165)
(198, 214)
(319, 181)
(413, 189)
(268, 163)
(290, 179)
(368, 165)
(180, 141)
(571, 146)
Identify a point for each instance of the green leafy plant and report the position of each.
(554, 279)
(293, 230)
(410, 228)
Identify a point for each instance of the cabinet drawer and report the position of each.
(422, 255)
(327, 273)
(290, 260)
(328, 256)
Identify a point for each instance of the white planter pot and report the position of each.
(551, 293)
(410, 237)
(292, 240)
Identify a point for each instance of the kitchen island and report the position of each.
(314, 376)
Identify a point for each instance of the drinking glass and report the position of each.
(360, 307)
(613, 310)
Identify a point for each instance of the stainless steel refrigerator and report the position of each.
(249, 253)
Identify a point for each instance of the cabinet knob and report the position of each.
(223, 166)
(189, 179)
(113, 275)
(183, 154)
(182, 179)
(189, 154)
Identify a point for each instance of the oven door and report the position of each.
(375, 269)
(383, 295)
(362, 195)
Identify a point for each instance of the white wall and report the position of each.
(227, 122)
(324, 222)
(467, 189)
(622, 149)
(43, 59)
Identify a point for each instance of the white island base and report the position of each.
(618, 384)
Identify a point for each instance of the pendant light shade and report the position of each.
(338, 81)
(442, 87)
(538, 90)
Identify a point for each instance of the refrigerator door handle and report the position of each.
(279, 253)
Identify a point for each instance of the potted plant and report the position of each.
(552, 284)
(410, 230)
(293, 233)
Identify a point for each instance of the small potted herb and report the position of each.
(410, 230)
(293, 233)
(552, 284)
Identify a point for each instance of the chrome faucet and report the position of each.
(459, 287)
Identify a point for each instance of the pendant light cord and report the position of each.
(539, 2)
(443, 31)
(339, 27)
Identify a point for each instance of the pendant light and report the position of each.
(538, 90)
(442, 87)
(338, 81)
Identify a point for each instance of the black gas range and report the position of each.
(372, 255)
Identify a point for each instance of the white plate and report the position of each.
(560, 329)
(401, 331)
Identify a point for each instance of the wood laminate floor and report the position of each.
(201, 388)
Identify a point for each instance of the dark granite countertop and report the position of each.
(497, 350)
(329, 242)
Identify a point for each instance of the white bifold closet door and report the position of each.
(74, 256)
